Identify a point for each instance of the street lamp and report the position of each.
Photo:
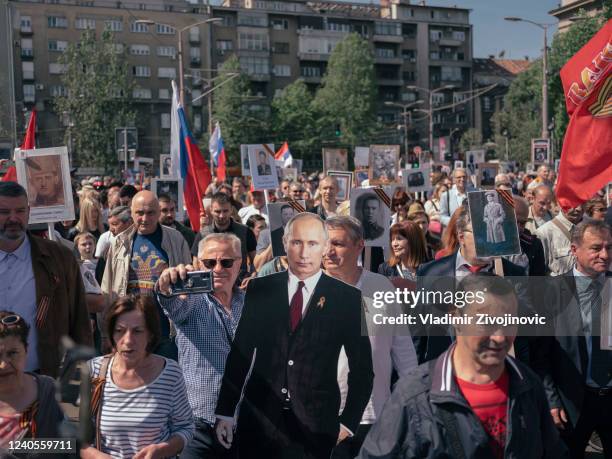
(406, 116)
(180, 48)
(430, 110)
(544, 27)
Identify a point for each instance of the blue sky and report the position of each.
(492, 34)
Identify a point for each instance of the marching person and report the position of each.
(452, 199)
(539, 210)
(167, 217)
(293, 327)
(328, 190)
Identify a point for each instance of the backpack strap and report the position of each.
(97, 394)
(563, 229)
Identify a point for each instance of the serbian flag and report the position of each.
(29, 143)
(586, 158)
(217, 151)
(284, 154)
(192, 168)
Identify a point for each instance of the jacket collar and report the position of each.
(444, 386)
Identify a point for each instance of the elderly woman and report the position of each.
(28, 409)
(139, 402)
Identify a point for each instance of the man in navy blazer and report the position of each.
(451, 200)
(286, 349)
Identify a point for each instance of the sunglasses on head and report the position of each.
(210, 263)
(13, 319)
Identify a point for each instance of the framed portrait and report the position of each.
(494, 223)
(540, 151)
(335, 159)
(345, 183)
(263, 167)
(417, 179)
(361, 175)
(458, 165)
(279, 213)
(289, 173)
(172, 187)
(244, 160)
(472, 159)
(362, 157)
(384, 164)
(372, 210)
(486, 175)
(45, 174)
(164, 166)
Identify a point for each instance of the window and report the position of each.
(166, 72)
(437, 98)
(409, 55)
(461, 119)
(255, 65)
(386, 53)
(459, 35)
(279, 24)
(408, 12)
(114, 25)
(56, 68)
(282, 70)
(195, 94)
(26, 23)
(338, 26)
(27, 69)
(142, 71)
(26, 47)
(486, 104)
(84, 23)
(253, 41)
(451, 74)
(409, 97)
(197, 123)
(141, 93)
(409, 76)
(194, 54)
(165, 120)
(140, 50)
(228, 21)
(281, 47)
(58, 91)
(29, 93)
(57, 22)
(224, 45)
(194, 35)
(252, 20)
(166, 51)
(139, 27)
(435, 35)
(434, 55)
(118, 48)
(387, 28)
(164, 29)
(164, 94)
(310, 71)
(361, 29)
(459, 97)
(409, 30)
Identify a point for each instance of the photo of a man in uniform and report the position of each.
(263, 168)
(369, 207)
(286, 212)
(45, 183)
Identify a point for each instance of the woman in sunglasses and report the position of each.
(28, 409)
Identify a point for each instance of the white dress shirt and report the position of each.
(307, 291)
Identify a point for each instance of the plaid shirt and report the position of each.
(204, 335)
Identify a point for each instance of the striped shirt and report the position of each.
(134, 418)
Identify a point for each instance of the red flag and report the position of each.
(221, 171)
(29, 143)
(586, 159)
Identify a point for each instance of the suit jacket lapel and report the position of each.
(575, 316)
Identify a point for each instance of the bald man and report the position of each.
(539, 211)
(137, 258)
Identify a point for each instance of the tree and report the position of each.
(347, 96)
(470, 140)
(241, 122)
(98, 97)
(294, 118)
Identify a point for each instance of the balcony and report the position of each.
(27, 54)
(396, 60)
(259, 77)
(195, 61)
(194, 38)
(389, 81)
(313, 57)
(311, 79)
(449, 42)
(26, 30)
(388, 38)
(28, 75)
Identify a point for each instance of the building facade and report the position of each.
(569, 9)
(416, 49)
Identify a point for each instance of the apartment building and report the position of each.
(569, 9)
(416, 48)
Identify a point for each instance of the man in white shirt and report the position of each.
(450, 200)
(392, 346)
(257, 207)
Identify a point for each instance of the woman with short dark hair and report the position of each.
(139, 401)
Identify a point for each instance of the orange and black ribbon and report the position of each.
(296, 206)
(506, 196)
(27, 420)
(383, 196)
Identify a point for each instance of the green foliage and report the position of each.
(348, 92)
(470, 140)
(99, 97)
(233, 108)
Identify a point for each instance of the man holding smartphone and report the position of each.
(205, 324)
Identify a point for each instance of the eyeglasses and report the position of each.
(13, 319)
(210, 263)
(600, 209)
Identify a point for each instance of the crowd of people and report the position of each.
(282, 358)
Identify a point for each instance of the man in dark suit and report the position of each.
(442, 275)
(292, 328)
(576, 372)
(276, 236)
(263, 168)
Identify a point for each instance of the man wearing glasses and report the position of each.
(453, 198)
(205, 324)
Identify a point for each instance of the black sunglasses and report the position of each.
(210, 263)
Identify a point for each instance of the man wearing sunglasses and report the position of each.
(293, 326)
(205, 325)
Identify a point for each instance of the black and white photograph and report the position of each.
(244, 160)
(289, 173)
(472, 159)
(384, 164)
(172, 187)
(345, 182)
(486, 175)
(263, 167)
(374, 215)
(45, 174)
(540, 150)
(458, 164)
(417, 179)
(279, 214)
(494, 223)
(335, 159)
(164, 166)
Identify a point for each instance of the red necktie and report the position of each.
(295, 309)
(475, 268)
